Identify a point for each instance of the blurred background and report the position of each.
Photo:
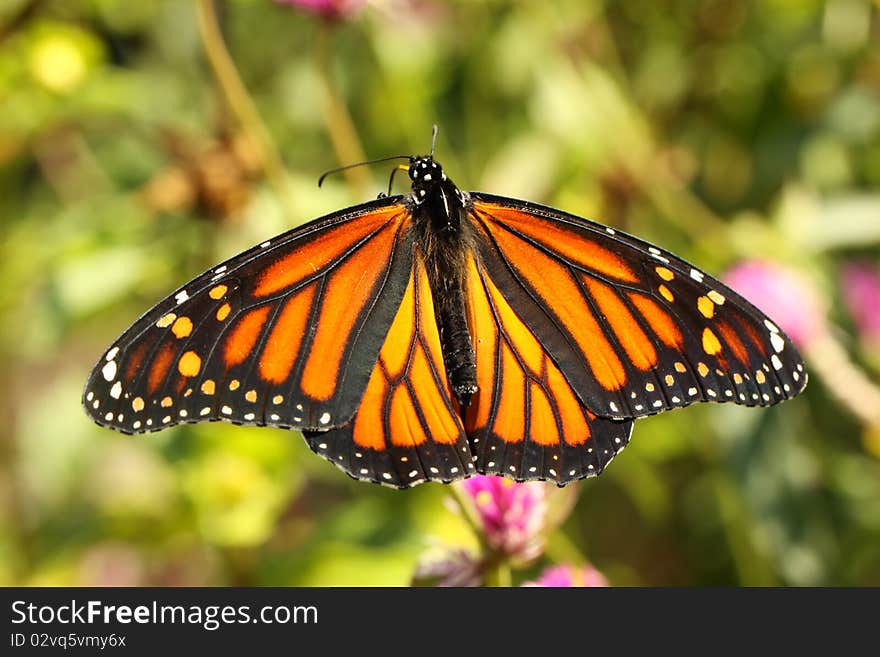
(140, 143)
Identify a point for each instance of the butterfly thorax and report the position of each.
(444, 235)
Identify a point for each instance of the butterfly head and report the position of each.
(426, 175)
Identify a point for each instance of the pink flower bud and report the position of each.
(860, 283)
(787, 297)
(512, 514)
(569, 576)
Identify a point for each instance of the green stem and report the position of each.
(469, 513)
(240, 101)
(340, 127)
(498, 573)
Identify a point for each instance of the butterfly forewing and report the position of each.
(240, 342)
(634, 329)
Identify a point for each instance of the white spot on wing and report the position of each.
(325, 418)
(777, 342)
(112, 353)
(109, 371)
(116, 390)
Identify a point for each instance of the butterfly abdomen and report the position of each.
(443, 236)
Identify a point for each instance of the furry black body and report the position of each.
(444, 233)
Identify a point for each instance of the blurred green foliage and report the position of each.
(720, 129)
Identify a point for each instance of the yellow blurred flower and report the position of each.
(236, 501)
(60, 57)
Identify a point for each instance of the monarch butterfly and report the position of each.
(437, 334)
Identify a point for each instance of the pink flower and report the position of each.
(783, 294)
(860, 282)
(511, 514)
(569, 576)
(327, 8)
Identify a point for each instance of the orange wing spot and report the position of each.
(553, 282)
(223, 312)
(369, 428)
(316, 254)
(759, 376)
(182, 327)
(166, 402)
(734, 343)
(664, 273)
(636, 344)
(666, 293)
(706, 307)
(348, 289)
(244, 336)
(208, 387)
(217, 291)
(680, 367)
(711, 345)
(574, 247)
(509, 418)
(542, 423)
(189, 364)
(137, 404)
(251, 396)
(575, 429)
(703, 369)
(659, 320)
(135, 360)
(283, 342)
(441, 425)
(159, 369)
(407, 428)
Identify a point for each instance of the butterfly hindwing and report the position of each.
(407, 429)
(284, 334)
(635, 330)
(525, 422)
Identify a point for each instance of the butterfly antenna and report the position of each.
(434, 139)
(361, 164)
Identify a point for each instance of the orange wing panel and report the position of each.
(407, 428)
(525, 421)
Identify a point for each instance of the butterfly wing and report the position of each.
(407, 429)
(525, 421)
(284, 334)
(634, 329)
